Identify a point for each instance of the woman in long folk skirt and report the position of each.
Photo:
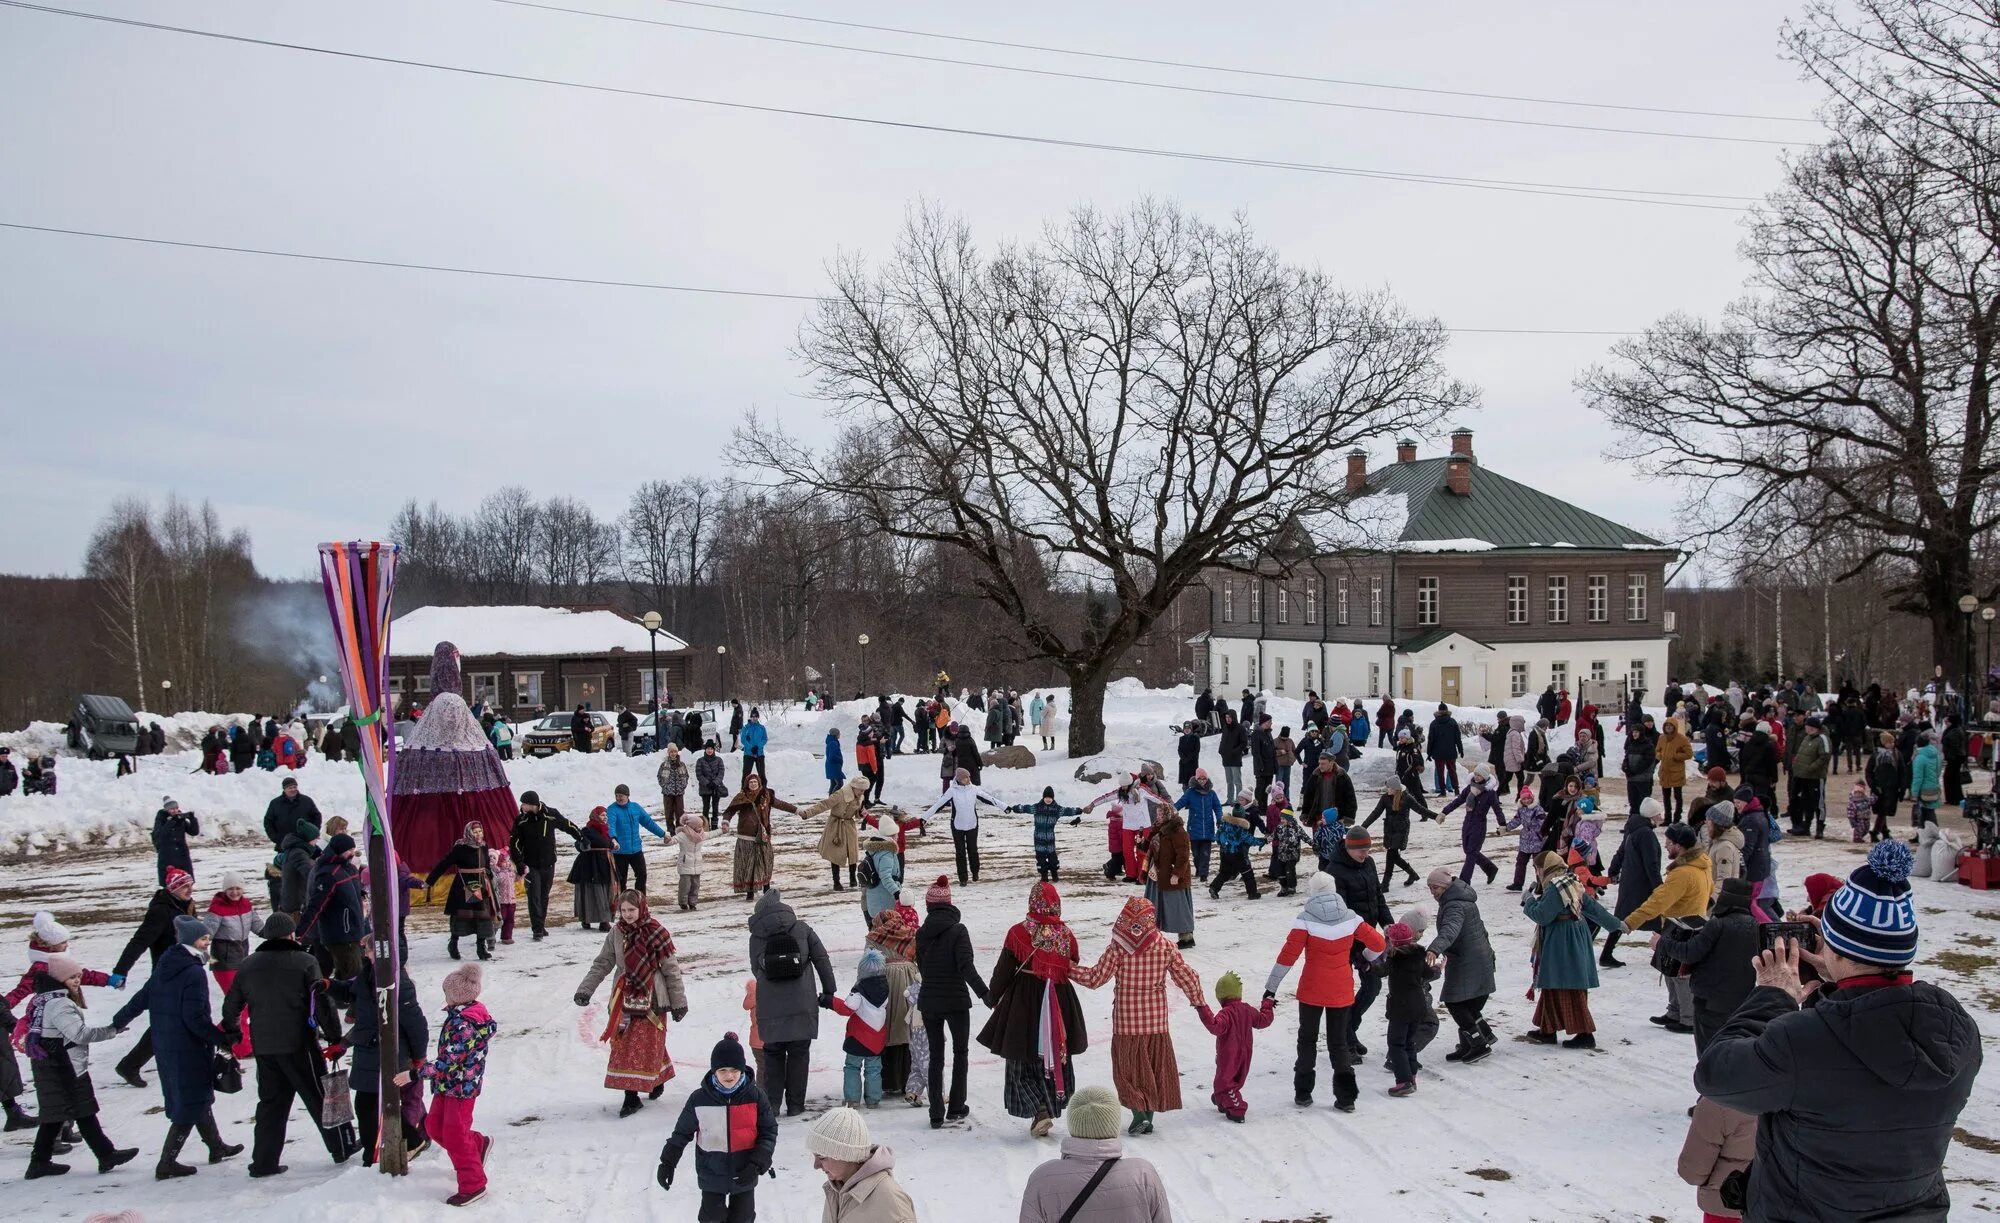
(1170, 879)
(473, 902)
(1037, 1025)
(1564, 911)
(751, 810)
(647, 990)
(1140, 960)
(590, 874)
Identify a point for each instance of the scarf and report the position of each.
(1045, 948)
(647, 946)
(465, 835)
(892, 934)
(1134, 928)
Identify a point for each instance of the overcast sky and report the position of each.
(308, 400)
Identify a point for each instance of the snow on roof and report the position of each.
(536, 632)
(1444, 545)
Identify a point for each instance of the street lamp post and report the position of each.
(1967, 605)
(1987, 614)
(722, 665)
(651, 620)
(864, 662)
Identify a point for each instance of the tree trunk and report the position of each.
(1086, 712)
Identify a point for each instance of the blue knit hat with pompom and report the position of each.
(1870, 918)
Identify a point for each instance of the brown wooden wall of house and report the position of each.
(1472, 597)
(623, 673)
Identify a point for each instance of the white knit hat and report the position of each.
(230, 879)
(840, 1133)
(49, 930)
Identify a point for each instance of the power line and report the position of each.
(1258, 72)
(1156, 85)
(1624, 195)
(594, 282)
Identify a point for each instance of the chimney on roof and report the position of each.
(1406, 450)
(1461, 441)
(1357, 471)
(1458, 472)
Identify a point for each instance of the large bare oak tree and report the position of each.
(1124, 404)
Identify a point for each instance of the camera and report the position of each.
(1804, 933)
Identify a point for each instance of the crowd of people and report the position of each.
(1816, 1050)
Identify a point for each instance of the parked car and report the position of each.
(552, 734)
(104, 726)
(643, 739)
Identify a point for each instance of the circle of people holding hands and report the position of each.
(1814, 1043)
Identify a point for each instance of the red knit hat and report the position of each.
(938, 893)
(1819, 887)
(178, 878)
(1717, 776)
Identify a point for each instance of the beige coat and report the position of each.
(1725, 854)
(667, 992)
(1131, 1193)
(871, 1195)
(1719, 1141)
(1674, 751)
(840, 844)
(900, 973)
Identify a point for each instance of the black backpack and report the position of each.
(784, 959)
(870, 877)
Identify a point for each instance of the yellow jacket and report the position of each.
(1683, 893)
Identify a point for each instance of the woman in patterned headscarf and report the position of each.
(648, 990)
(472, 901)
(1140, 960)
(892, 935)
(1564, 911)
(1037, 1025)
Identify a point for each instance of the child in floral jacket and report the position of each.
(456, 1075)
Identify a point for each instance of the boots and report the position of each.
(485, 947)
(18, 1119)
(631, 1104)
(451, 947)
(170, 1167)
(117, 1157)
(1142, 1123)
(211, 1137)
(853, 879)
(835, 869)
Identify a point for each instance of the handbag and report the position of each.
(337, 1101)
(228, 1074)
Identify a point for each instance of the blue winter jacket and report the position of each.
(836, 764)
(1926, 769)
(626, 819)
(753, 738)
(185, 1036)
(1359, 731)
(1203, 809)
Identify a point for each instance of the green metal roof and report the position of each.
(1504, 513)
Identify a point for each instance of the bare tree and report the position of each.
(1852, 390)
(1130, 401)
(123, 557)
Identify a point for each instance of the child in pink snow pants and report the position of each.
(456, 1074)
(1232, 1026)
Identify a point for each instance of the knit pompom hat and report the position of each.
(1400, 935)
(61, 968)
(1318, 882)
(1094, 1113)
(189, 930)
(179, 880)
(461, 985)
(938, 893)
(51, 932)
(1416, 918)
(842, 1134)
(1870, 918)
(1229, 988)
(1718, 776)
(728, 1054)
(871, 964)
(1819, 887)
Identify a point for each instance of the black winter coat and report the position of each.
(1410, 977)
(470, 865)
(277, 982)
(944, 959)
(156, 930)
(593, 858)
(1361, 888)
(1756, 829)
(1231, 745)
(966, 754)
(298, 855)
(1190, 756)
(1642, 751)
(532, 844)
(1395, 819)
(1758, 765)
(336, 908)
(10, 777)
(170, 833)
(282, 816)
(364, 1034)
(1636, 865)
(185, 1039)
(741, 1135)
(1444, 741)
(1855, 1096)
(1263, 752)
(1719, 953)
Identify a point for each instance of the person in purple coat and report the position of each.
(1481, 798)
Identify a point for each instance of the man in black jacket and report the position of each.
(1263, 758)
(1189, 749)
(10, 776)
(944, 962)
(1721, 954)
(154, 935)
(281, 818)
(1231, 745)
(279, 982)
(532, 846)
(171, 829)
(1360, 888)
(1642, 758)
(1444, 743)
(1757, 765)
(1857, 1084)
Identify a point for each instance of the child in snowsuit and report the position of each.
(734, 1132)
(867, 1009)
(1286, 839)
(1236, 837)
(232, 921)
(456, 1075)
(1578, 861)
(58, 1048)
(1231, 1024)
(1860, 809)
(1410, 975)
(690, 838)
(1047, 814)
(1720, 1141)
(503, 895)
(1528, 820)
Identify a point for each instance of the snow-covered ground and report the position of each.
(1530, 1133)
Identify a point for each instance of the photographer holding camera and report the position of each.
(1856, 1085)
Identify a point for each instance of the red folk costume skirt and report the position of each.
(638, 1059)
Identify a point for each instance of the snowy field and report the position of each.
(1530, 1133)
